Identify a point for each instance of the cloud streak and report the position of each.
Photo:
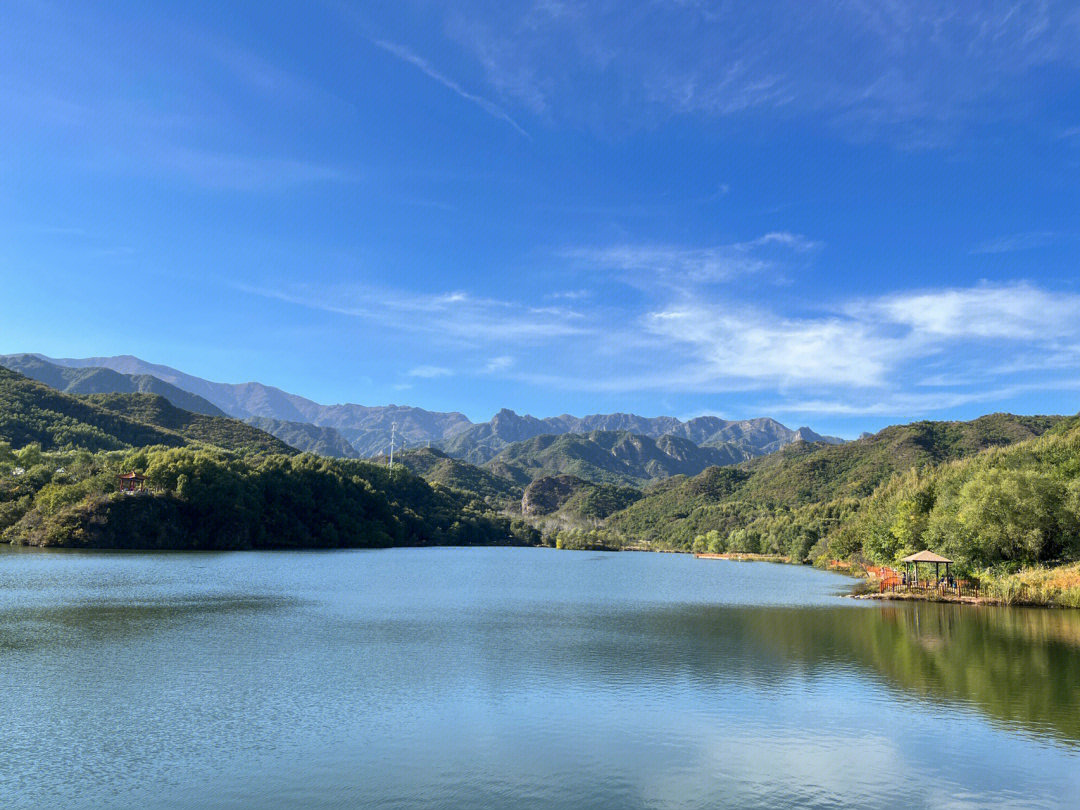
(430, 372)
(1018, 311)
(492, 109)
(914, 73)
(697, 264)
(1018, 241)
(457, 318)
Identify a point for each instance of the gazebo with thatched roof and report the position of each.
(927, 556)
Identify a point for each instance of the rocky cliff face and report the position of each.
(546, 495)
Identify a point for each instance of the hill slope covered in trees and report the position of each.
(787, 501)
(1015, 503)
(33, 412)
(308, 438)
(608, 457)
(220, 431)
(214, 482)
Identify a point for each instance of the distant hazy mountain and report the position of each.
(100, 380)
(306, 437)
(610, 457)
(368, 428)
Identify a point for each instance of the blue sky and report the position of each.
(843, 215)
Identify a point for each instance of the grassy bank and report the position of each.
(1057, 586)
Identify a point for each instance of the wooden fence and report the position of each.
(959, 587)
(889, 579)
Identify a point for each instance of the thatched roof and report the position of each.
(926, 556)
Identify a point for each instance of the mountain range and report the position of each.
(367, 429)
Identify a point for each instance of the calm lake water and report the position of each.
(516, 678)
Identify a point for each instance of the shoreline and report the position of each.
(987, 601)
(738, 556)
(913, 596)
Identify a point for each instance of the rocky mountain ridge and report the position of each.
(368, 428)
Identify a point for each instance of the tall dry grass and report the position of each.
(1059, 586)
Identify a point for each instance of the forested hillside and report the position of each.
(438, 468)
(308, 438)
(211, 499)
(1019, 503)
(33, 412)
(608, 457)
(220, 431)
(786, 502)
(574, 499)
(214, 482)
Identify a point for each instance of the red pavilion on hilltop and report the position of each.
(132, 482)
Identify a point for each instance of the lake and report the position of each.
(517, 678)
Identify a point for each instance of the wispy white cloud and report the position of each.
(1010, 311)
(697, 264)
(724, 344)
(570, 295)
(456, 317)
(430, 372)
(492, 109)
(1018, 241)
(905, 404)
(914, 73)
(867, 356)
(891, 403)
(497, 364)
(686, 334)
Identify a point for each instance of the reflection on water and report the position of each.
(517, 678)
